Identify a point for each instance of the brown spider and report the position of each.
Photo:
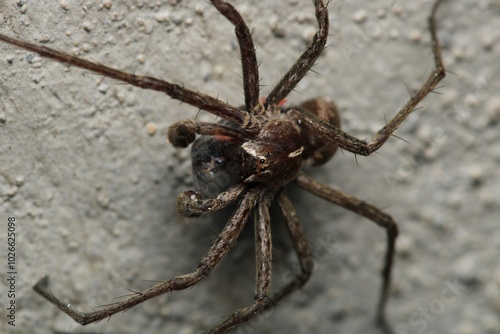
(269, 144)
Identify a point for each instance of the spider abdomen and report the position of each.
(317, 149)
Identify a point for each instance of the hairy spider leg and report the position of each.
(357, 146)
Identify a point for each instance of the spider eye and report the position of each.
(262, 161)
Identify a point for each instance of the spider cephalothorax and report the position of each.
(257, 149)
(271, 153)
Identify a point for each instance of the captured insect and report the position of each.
(259, 148)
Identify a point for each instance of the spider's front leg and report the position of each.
(215, 254)
(175, 91)
(358, 146)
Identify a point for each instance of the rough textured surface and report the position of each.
(86, 170)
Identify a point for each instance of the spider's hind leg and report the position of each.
(357, 146)
(378, 217)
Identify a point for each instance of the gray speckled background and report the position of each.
(93, 192)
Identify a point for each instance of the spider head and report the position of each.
(274, 156)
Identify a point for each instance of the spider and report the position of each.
(266, 144)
